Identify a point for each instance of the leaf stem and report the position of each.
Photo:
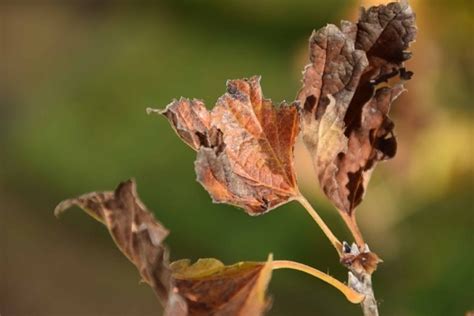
(351, 295)
(351, 223)
(326, 230)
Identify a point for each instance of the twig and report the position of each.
(363, 284)
(360, 276)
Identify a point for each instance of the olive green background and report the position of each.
(76, 78)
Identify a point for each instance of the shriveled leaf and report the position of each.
(244, 145)
(345, 122)
(137, 234)
(210, 288)
(134, 229)
(204, 288)
(384, 32)
(330, 82)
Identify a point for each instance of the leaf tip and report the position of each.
(62, 207)
(130, 185)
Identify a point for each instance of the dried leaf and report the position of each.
(134, 229)
(385, 32)
(245, 146)
(210, 288)
(344, 110)
(204, 288)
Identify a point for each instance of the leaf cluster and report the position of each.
(245, 157)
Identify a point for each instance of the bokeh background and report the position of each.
(76, 78)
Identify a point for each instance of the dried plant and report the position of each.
(245, 157)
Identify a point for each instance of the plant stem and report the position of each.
(351, 295)
(326, 230)
(362, 283)
(352, 225)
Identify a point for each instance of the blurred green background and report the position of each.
(76, 78)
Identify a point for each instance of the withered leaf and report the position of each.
(345, 123)
(244, 145)
(201, 285)
(135, 231)
(204, 288)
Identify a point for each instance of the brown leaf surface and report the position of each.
(204, 288)
(245, 146)
(201, 285)
(345, 122)
(135, 231)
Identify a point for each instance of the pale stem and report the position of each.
(353, 227)
(351, 295)
(326, 230)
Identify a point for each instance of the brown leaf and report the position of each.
(344, 110)
(137, 234)
(384, 32)
(245, 146)
(210, 288)
(204, 288)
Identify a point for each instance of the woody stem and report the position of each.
(351, 295)
(326, 230)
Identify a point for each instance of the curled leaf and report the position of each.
(204, 288)
(244, 145)
(345, 122)
(134, 229)
(210, 288)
